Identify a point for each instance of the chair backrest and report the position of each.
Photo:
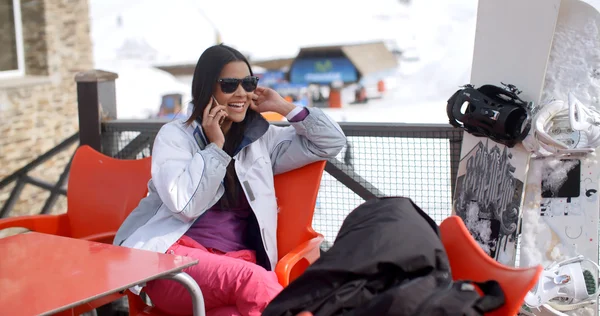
(102, 191)
(296, 193)
(469, 262)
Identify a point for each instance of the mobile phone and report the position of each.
(215, 103)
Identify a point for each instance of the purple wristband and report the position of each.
(300, 116)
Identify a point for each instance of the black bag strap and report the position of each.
(493, 296)
(462, 298)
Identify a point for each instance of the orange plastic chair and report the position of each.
(298, 244)
(101, 193)
(469, 262)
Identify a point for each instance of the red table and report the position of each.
(44, 274)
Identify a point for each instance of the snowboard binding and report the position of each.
(492, 112)
(564, 128)
(543, 310)
(564, 286)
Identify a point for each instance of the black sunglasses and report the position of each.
(229, 85)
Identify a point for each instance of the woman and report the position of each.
(211, 196)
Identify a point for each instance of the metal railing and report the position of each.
(22, 177)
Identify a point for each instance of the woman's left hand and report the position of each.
(268, 100)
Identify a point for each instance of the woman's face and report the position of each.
(232, 94)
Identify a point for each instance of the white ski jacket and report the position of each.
(188, 173)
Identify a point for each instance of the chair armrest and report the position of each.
(308, 250)
(47, 224)
(105, 238)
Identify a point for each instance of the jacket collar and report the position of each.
(256, 129)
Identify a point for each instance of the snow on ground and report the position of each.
(442, 43)
(437, 34)
(382, 110)
(140, 88)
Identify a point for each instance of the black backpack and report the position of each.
(387, 259)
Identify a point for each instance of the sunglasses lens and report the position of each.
(249, 84)
(229, 85)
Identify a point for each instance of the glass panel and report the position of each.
(8, 41)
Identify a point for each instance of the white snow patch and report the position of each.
(480, 228)
(574, 63)
(436, 36)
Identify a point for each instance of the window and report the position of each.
(11, 39)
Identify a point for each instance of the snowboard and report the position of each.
(560, 216)
(491, 176)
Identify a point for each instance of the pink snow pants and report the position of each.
(232, 283)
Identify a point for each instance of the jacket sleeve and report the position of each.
(186, 179)
(315, 138)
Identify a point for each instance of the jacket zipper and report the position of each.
(250, 197)
(263, 239)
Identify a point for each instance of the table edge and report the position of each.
(129, 285)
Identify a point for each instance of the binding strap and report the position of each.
(491, 112)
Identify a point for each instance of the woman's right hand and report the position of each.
(213, 114)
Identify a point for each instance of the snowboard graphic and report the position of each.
(489, 188)
(490, 180)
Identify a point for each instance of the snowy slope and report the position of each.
(438, 33)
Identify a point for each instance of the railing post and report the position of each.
(96, 102)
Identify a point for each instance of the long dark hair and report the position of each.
(206, 74)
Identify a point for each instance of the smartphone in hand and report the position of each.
(216, 103)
